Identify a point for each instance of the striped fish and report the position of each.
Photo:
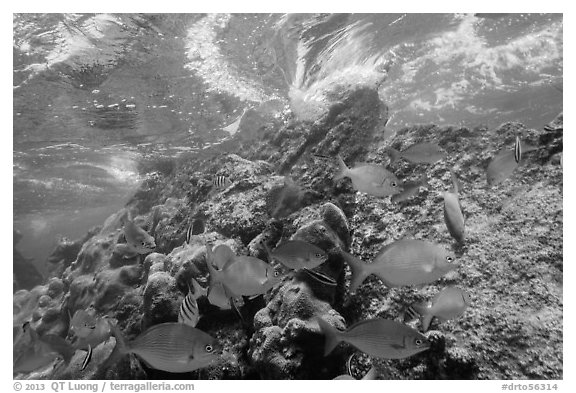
(221, 182)
(197, 227)
(189, 313)
(517, 150)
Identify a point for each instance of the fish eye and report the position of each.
(318, 255)
(276, 273)
(418, 342)
(393, 184)
(209, 348)
(449, 259)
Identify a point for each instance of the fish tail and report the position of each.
(342, 169)
(331, 334)
(359, 271)
(121, 348)
(371, 374)
(198, 290)
(394, 155)
(423, 311)
(214, 274)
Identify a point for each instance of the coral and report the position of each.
(510, 263)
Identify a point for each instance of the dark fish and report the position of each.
(284, 200)
(370, 178)
(449, 303)
(403, 262)
(420, 153)
(382, 338)
(221, 182)
(410, 189)
(173, 347)
(453, 216)
(517, 150)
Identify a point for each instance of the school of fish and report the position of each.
(179, 347)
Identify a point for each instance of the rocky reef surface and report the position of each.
(510, 262)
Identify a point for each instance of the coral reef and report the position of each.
(510, 263)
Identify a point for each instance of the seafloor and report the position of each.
(510, 263)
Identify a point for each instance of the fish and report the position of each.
(42, 351)
(189, 313)
(381, 338)
(138, 238)
(125, 250)
(218, 297)
(173, 347)
(410, 189)
(243, 276)
(281, 201)
(221, 182)
(420, 153)
(403, 262)
(196, 228)
(298, 254)
(369, 178)
(222, 255)
(453, 216)
(83, 323)
(501, 167)
(449, 303)
(517, 150)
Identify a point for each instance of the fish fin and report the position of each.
(349, 363)
(342, 169)
(359, 270)
(394, 155)
(372, 374)
(198, 290)
(425, 321)
(331, 335)
(423, 310)
(320, 277)
(87, 358)
(121, 348)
